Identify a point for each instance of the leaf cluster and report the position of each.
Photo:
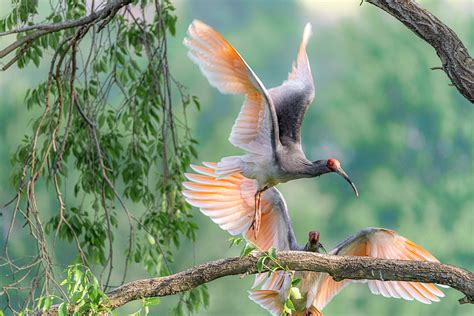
(109, 142)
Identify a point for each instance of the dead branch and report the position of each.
(455, 58)
(340, 267)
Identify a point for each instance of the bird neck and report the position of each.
(311, 246)
(317, 168)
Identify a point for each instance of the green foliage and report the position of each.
(247, 249)
(84, 294)
(191, 301)
(24, 10)
(235, 241)
(399, 130)
(109, 142)
(146, 303)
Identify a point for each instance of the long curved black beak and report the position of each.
(343, 174)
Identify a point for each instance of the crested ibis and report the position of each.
(229, 203)
(317, 289)
(268, 127)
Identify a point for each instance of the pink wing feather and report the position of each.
(226, 70)
(387, 244)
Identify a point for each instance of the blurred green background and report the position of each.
(402, 133)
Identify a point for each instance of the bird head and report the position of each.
(313, 244)
(335, 166)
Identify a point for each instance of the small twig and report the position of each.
(17, 56)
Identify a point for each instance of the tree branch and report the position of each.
(457, 63)
(340, 267)
(42, 29)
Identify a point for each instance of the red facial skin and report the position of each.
(333, 164)
(313, 237)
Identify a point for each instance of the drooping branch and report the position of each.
(455, 58)
(340, 267)
(42, 29)
(98, 85)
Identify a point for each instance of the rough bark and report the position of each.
(455, 58)
(340, 267)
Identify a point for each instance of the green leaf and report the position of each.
(151, 240)
(47, 303)
(196, 102)
(272, 253)
(295, 282)
(261, 263)
(62, 309)
(235, 241)
(247, 250)
(295, 293)
(289, 305)
(205, 295)
(152, 301)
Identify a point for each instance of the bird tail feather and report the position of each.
(268, 299)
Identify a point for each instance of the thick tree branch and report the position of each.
(340, 267)
(42, 29)
(457, 63)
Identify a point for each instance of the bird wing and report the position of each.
(380, 243)
(293, 97)
(274, 291)
(230, 203)
(269, 300)
(222, 65)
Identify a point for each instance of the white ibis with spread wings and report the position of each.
(268, 127)
(229, 203)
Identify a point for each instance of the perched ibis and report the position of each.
(268, 127)
(229, 203)
(317, 289)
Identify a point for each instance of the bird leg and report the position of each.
(258, 214)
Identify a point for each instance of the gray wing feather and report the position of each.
(291, 101)
(292, 98)
(284, 235)
(362, 234)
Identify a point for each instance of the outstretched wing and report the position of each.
(230, 203)
(292, 98)
(380, 243)
(226, 70)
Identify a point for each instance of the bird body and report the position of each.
(229, 203)
(268, 127)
